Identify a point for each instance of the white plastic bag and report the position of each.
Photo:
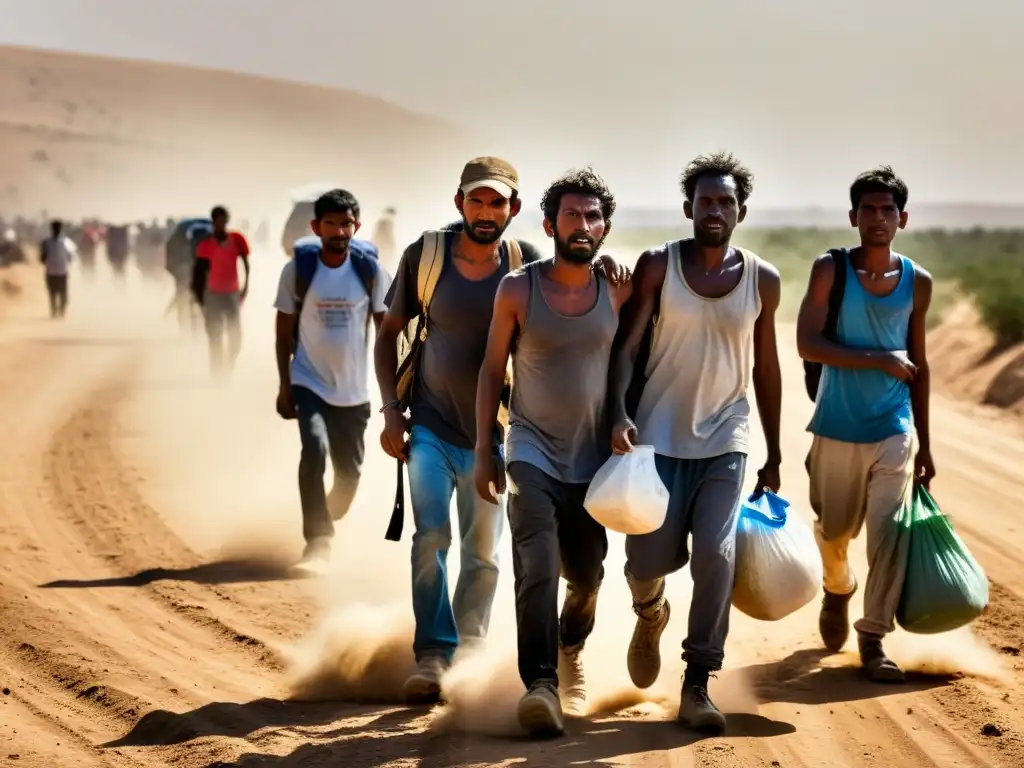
(778, 565)
(627, 495)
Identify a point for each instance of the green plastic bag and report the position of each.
(945, 588)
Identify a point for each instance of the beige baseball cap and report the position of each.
(491, 172)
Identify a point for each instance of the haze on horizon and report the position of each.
(808, 93)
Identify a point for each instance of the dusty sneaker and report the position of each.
(696, 710)
(540, 711)
(316, 557)
(571, 683)
(875, 664)
(644, 656)
(424, 685)
(834, 620)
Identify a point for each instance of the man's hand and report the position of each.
(285, 403)
(392, 438)
(623, 436)
(242, 296)
(614, 273)
(898, 365)
(768, 478)
(489, 470)
(924, 468)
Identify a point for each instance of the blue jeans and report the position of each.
(436, 471)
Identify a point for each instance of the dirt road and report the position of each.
(147, 619)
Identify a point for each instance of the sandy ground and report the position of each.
(147, 618)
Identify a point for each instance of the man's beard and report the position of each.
(336, 245)
(565, 249)
(712, 239)
(487, 237)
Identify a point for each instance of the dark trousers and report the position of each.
(328, 431)
(57, 287)
(552, 535)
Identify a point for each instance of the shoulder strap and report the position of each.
(515, 254)
(431, 264)
(835, 295)
(365, 265)
(306, 257)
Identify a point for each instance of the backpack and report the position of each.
(427, 275)
(307, 257)
(812, 371)
(410, 345)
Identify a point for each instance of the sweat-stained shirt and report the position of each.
(444, 396)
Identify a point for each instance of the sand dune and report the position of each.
(83, 136)
(969, 365)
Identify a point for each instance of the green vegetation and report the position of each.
(987, 265)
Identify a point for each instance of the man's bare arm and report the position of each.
(920, 388)
(636, 315)
(767, 371)
(285, 346)
(811, 342)
(509, 307)
(385, 351)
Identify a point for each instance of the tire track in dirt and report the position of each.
(87, 660)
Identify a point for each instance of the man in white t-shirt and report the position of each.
(323, 368)
(56, 253)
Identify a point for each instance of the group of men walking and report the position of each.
(522, 374)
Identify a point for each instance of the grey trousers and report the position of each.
(704, 498)
(221, 312)
(552, 535)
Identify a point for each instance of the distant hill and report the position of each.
(925, 216)
(82, 135)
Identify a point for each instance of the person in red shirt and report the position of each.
(216, 286)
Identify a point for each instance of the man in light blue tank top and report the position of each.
(873, 392)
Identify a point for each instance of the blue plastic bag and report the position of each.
(778, 565)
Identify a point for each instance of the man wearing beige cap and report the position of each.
(451, 277)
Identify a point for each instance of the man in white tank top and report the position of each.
(710, 310)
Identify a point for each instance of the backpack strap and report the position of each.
(515, 255)
(364, 257)
(835, 294)
(306, 258)
(429, 271)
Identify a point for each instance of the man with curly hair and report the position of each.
(561, 316)
(701, 310)
(437, 438)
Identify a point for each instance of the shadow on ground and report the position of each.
(800, 679)
(232, 571)
(373, 737)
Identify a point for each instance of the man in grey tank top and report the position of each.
(561, 317)
(710, 310)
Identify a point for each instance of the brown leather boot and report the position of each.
(834, 620)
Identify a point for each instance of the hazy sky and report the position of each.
(807, 92)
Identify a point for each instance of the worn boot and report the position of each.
(571, 682)
(643, 659)
(540, 711)
(424, 685)
(875, 664)
(834, 621)
(696, 710)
